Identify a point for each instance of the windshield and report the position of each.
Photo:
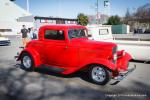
(77, 33)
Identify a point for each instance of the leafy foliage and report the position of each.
(127, 15)
(114, 20)
(143, 11)
(82, 19)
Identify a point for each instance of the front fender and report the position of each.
(105, 62)
(35, 55)
(108, 64)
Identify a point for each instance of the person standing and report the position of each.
(24, 32)
(29, 35)
(32, 34)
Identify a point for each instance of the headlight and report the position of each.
(124, 53)
(114, 52)
(115, 57)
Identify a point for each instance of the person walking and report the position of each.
(24, 32)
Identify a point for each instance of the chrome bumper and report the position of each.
(122, 75)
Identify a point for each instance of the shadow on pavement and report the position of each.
(82, 75)
(140, 61)
(17, 84)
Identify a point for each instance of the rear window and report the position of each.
(54, 35)
(103, 32)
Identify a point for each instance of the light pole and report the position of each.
(28, 6)
(97, 7)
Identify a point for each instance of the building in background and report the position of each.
(120, 29)
(40, 21)
(9, 14)
(12, 17)
(138, 25)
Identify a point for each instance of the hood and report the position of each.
(96, 44)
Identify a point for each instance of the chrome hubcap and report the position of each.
(98, 74)
(27, 61)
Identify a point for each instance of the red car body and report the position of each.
(70, 55)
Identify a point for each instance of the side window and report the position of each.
(82, 33)
(103, 31)
(54, 35)
(77, 33)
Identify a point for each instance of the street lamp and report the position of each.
(28, 6)
(97, 12)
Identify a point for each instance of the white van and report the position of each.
(140, 50)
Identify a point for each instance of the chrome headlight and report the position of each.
(114, 52)
(115, 57)
(124, 53)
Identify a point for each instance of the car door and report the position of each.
(57, 51)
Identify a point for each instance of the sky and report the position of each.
(71, 8)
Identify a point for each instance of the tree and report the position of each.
(143, 11)
(82, 19)
(114, 20)
(127, 13)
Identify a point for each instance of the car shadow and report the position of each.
(80, 74)
(140, 61)
(20, 85)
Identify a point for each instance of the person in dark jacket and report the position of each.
(24, 33)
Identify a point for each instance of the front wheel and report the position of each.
(99, 74)
(27, 62)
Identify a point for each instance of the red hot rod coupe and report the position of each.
(66, 49)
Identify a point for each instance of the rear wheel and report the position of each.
(27, 62)
(99, 74)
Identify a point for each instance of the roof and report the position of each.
(54, 18)
(63, 26)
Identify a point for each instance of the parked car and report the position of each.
(65, 49)
(4, 41)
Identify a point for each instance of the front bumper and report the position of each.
(122, 75)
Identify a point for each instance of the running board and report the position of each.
(51, 68)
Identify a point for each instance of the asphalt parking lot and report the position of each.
(17, 84)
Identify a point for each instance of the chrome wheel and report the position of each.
(98, 74)
(27, 62)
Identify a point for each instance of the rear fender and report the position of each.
(35, 55)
